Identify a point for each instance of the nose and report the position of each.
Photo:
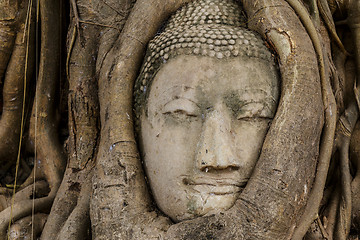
(215, 149)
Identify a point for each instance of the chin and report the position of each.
(206, 204)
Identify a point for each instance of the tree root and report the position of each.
(289, 63)
(355, 184)
(13, 94)
(23, 201)
(311, 210)
(69, 218)
(353, 10)
(120, 203)
(7, 37)
(24, 209)
(41, 189)
(83, 101)
(28, 228)
(116, 186)
(332, 211)
(71, 199)
(77, 225)
(48, 146)
(119, 181)
(35, 175)
(48, 149)
(347, 124)
(325, 12)
(353, 21)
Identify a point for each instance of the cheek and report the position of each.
(249, 137)
(168, 147)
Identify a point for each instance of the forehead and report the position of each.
(211, 76)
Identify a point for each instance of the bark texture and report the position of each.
(87, 180)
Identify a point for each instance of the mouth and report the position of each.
(215, 186)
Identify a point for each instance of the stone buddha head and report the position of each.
(204, 100)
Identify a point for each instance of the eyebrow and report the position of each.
(181, 87)
(239, 93)
(175, 92)
(241, 102)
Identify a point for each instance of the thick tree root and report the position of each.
(311, 210)
(69, 218)
(119, 178)
(13, 93)
(77, 225)
(48, 146)
(7, 41)
(119, 181)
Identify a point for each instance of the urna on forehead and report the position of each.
(209, 28)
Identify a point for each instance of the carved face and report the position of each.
(202, 133)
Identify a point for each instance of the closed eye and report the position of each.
(182, 106)
(180, 111)
(255, 118)
(255, 110)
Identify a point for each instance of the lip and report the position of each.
(214, 186)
